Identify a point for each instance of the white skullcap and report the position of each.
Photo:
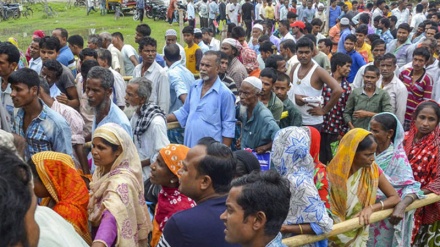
(344, 21)
(320, 5)
(197, 30)
(171, 32)
(258, 26)
(254, 81)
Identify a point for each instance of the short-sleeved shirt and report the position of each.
(334, 119)
(334, 14)
(246, 9)
(66, 80)
(181, 80)
(128, 51)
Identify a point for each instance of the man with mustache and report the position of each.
(209, 108)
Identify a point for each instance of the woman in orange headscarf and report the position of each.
(170, 201)
(60, 185)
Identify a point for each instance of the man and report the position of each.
(333, 126)
(205, 177)
(75, 121)
(128, 53)
(117, 58)
(148, 123)
(357, 60)
(420, 89)
(308, 80)
(378, 11)
(9, 57)
(378, 48)
(318, 56)
(401, 12)
(393, 27)
(297, 30)
(236, 69)
(52, 71)
(418, 33)
(401, 47)
(345, 31)
(143, 31)
(228, 81)
(384, 26)
(86, 111)
(393, 86)
(76, 44)
(256, 220)
(171, 38)
(309, 12)
(43, 128)
(65, 56)
(431, 31)
(35, 63)
(238, 33)
(94, 42)
(325, 46)
(284, 10)
(247, 10)
(217, 119)
(418, 18)
(119, 85)
(335, 12)
(288, 50)
(361, 46)
(267, 96)
(198, 39)
(150, 69)
(210, 40)
(203, 8)
(193, 52)
(213, 13)
(258, 127)
(317, 24)
(363, 103)
(290, 116)
(267, 29)
(284, 27)
(191, 13)
(99, 87)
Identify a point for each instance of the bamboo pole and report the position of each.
(352, 224)
(173, 125)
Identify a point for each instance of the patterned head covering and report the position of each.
(234, 43)
(173, 154)
(13, 41)
(249, 58)
(38, 34)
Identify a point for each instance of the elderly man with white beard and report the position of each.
(209, 109)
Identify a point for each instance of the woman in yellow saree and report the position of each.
(354, 178)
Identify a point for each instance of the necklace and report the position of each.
(299, 80)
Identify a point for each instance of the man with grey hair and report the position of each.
(148, 123)
(104, 60)
(117, 58)
(94, 42)
(171, 38)
(99, 87)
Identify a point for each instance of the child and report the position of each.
(357, 60)
(192, 51)
(290, 116)
(361, 46)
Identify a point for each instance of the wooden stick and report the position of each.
(173, 125)
(352, 224)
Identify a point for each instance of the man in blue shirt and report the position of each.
(213, 13)
(345, 31)
(384, 27)
(335, 12)
(357, 59)
(209, 109)
(65, 57)
(43, 128)
(261, 190)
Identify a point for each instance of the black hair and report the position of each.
(316, 22)
(37, 40)
(289, 44)
(422, 51)
(206, 141)
(309, 28)
(267, 46)
(291, 15)
(351, 37)
(26, 76)
(435, 28)
(172, 52)
(267, 192)
(305, 42)
(327, 42)
(114, 147)
(354, 2)
(339, 59)
(283, 77)
(143, 29)
(377, 18)
(389, 56)
(10, 50)
(118, 35)
(238, 32)
(217, 55)
(311, 37)
(419, 8)
(437, 36)
(370, 6)
(63, 32)
(55, 66)
(219, 164)
(365, 143)
(385, 22)
(269, 72)
(76, 40)
(434, 105)
(50, 43)
(188, 29)
(285, 23)
(44, 85)
(86, 66)
(105, 75)
(387, 122)
(246, 163)
(224, 56)
(373, 37)
(379, 2)
(230, 27)
(88, 52)
(147, 41)
(365, 18)
(15, 198)
(198, 35)
(363, 29)
(263, 38)
(393, 19)
(373, 69)
(105, 55)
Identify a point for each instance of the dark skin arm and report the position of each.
(264, 148)
(171, 118)
(295, 229)
(71, 99)
(325, 77)
(133, 60)
(145, 163)
(227, 141)
(182, 97)
(399, 209)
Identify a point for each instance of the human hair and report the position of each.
(246, 163)
(143, 29)
(95, 39)
(386, 22)
(147, 41)
(188, 29)
(327, 42)
(270, 72)
(290, 15)
(267, 192)
(316, 22)
(285, 23)
(351, 37)
(370, 6)
(216, 54)
(379, 2)
(430, 103)
(76, 40)
(393, 18)
(437, 36)
(377, 18)
(435, 28)
(172, 52)
(230, 27)
(63, 32)
(389, 56)
(37, 40)
(206, 141)
(198, 35)
(44, 85)
(11, 51)
(224, 56)
(219, 164)
(376, 42)
(283, 77)
(339, 59)
(354, 2)
(387, 122)
(267, 46)
(363, 29)
(103, 74)
(433, 42)
(238, 32)
(311, 37)
(26, 76)
(272, 60)
(144, 87)
(50, 43)
(88, 52)
(365, 143)
(422, 51)
(289, 44)
(105, 55)
(55, 66)
(263, 38)
(305, 42)
(106, 36)
(309, 28)
(15, 198)
(118, 35)
(86, 66)
(364, 18)
(419, 8)
(373, 69)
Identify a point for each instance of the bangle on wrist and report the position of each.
(381, 203)
(300, 228)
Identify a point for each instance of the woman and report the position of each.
(319, 174)
(422, 145)
(354, 179)
(246, 163)
(117, 209)
(391, 158)
(291, 158)
(170, 200)
(62, 189)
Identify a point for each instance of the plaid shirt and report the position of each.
(334, 120)
(47, 132)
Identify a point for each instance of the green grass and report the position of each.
(76, 21)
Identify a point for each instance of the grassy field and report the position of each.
(76, 21)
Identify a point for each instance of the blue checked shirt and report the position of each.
(276, 242)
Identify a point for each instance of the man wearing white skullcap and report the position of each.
(258, 125)
(236, 69)
(257, 31)
(171, 38)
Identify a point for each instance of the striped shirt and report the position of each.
(417, 92)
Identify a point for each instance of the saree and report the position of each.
(66, 187)
(291, 158)
(397, 170)
(121, 190)
(423, 155)
(350, 194)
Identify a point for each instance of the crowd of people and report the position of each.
(281, 127)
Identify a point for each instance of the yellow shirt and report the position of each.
(190, 53)
(365, 52)
(349, 5)
(270, 12)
